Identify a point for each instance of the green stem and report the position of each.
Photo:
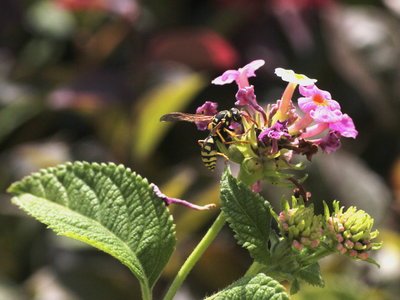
(195, 256)
(146, 291)
(317, 256)
(253, 269)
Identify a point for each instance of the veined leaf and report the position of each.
(260, 287)
(248, 215)
(106, 206)
(312, 275)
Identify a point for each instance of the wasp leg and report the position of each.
(221, 154)
(238, 142)
(223, 140)
(235, 134)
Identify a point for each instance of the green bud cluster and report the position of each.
(301, 226)
(351, 231)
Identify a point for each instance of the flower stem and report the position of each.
(300, 124)
(313, 258)
(284, 106)
(195, 256)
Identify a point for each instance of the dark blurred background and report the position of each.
(89, 79)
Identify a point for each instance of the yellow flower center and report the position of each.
(299, 76)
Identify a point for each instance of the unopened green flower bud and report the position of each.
(252, 165)
(235, 155)
(350, 231)
(347, 234)
(300, 225)
(360, 236)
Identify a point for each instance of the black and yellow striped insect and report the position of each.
(209, 151)
(218, 126)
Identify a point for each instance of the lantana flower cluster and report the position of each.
(347, 233)
(264, 144)
(267, 139)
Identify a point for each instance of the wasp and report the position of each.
(218, 126)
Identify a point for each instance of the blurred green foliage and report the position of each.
(88, 80)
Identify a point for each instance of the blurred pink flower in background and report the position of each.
(128, 9)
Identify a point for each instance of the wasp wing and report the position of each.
(179, 116)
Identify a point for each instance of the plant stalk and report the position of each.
(195, 256)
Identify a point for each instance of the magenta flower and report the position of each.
(169, 200)
(345, 127)
(275, 132)
(240, 75)
(330, 143)
(319, 104)
(208, 109)
(246, 96)
(319, 107)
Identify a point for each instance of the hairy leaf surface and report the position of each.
(106, 206)
(312, 275)
(260, 287)
(248, 215)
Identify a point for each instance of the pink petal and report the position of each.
(333, 105)
(323, 114)
(227, 77)
(311, 90)
(345, 127)
(306, 104)
(251, 67)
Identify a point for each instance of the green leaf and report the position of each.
(372, 261)
(106, 206)
(295, 287)
(260, 287)
(248, 215)
(312, 275)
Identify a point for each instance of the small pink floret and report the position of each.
(339, 238)
(285, 226)
(304, 240)
(349, 244)
(345, 127)
(227, 77)
(240, 75)
(353, 253)
(341, 249)
(324, 114)
(363, 255)
(315, 243)
(314, 97)
(209, 108)
(297, 245)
